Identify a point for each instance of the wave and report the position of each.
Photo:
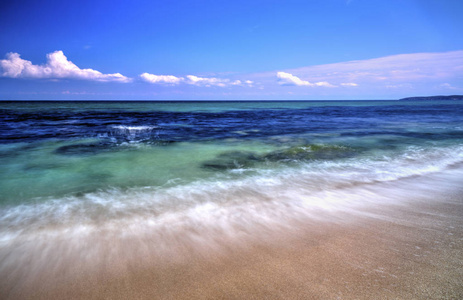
(123, 133)
(118, 228)
(134, 128)
(321, 185)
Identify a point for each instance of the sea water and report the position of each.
(194, 173)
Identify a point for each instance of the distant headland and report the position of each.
(433, 98)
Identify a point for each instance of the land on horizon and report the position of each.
(430, 98)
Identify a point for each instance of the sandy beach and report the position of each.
(411, 250)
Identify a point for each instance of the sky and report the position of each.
(230, 50)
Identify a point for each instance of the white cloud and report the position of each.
(401, 86)
(289, 79)
(57, 66)
(415, 67)
(447, 86)
(285, 78)
(193, 80)
(248, 83)
(324, 83)
(166, 79)
(388, 77)
(205, 81)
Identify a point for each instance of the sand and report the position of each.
(412, 250)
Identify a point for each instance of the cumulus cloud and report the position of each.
(349, 84)
(285, 78)
(193, 80)
(205, 81)
(289, 79)
(166, 79)
(57, 66)
(212, 81)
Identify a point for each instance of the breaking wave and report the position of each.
(270, 197)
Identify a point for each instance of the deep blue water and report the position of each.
(32, 122)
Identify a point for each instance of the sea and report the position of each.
(83, 180)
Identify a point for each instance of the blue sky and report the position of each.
(166, 50)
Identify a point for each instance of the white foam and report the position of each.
(134, 128)
(133, 226)
(273, 195)
(133, 134)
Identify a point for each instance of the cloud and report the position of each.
(166, 79)
(57, 66)
(193, 80)
(285, 78)
(387, 77)
(212, 81)
(289, 79)
(204, 81)
(324, 83)
(401, 86)
(415, 67)
(447, 86)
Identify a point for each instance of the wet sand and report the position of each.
(412, 250)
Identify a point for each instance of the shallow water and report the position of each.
(186, 175)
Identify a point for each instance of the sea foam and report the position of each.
(269, 195)
(118, 228)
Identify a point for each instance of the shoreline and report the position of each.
(407, 250)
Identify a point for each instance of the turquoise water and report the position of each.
(199, 106)
(59, 149)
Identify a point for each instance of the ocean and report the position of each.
(101, 181)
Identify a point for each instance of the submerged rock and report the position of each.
(99, 147)
(82, 149)
(241, 159)
(313, 151)
(162, 142)
(232, 160)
